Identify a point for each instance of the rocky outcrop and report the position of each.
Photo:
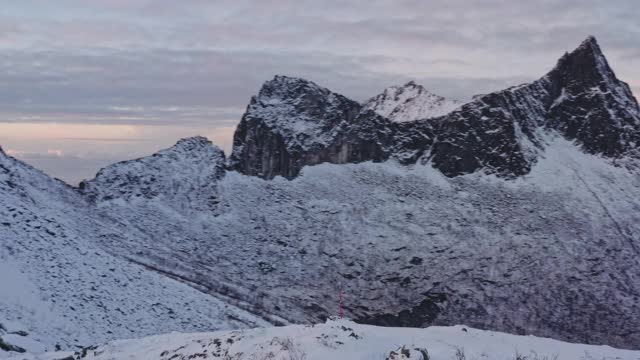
(591, 105)
(294, 122)
(494, 133)
(581, 98)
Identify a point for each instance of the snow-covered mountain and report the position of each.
(186, 173)
(410, 102)
(517, 212)
(580, 98)
(343, 340)
(63, 288)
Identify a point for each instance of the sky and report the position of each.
(85, 83)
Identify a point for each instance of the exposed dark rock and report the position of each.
(591, 105)
(420, 315)
(293, 122)
(9, 347)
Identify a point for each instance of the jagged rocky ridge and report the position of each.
(553, 252)
(581, 98)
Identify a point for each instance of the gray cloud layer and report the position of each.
(216, 53)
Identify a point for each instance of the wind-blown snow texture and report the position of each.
(410, 102)
(539, 234)
(344, 340)
(553, 253)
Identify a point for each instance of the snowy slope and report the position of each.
(410, 102)
(345, 340)
(62, 288)
(413, 247)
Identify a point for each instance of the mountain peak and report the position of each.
(589, 41)
(285, 87)
(297, 105)
(586, 68)
(590, 104)
(589, 48)
(409, 102)
(192, 143)
(283, 80)
(289, 118)
(586, 65)
(191, 166)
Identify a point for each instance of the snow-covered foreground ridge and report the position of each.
(342, 340)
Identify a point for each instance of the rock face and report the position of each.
(591, 105)
(410, 102)
(581, 98)
(293, 123)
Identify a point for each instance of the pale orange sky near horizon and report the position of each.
(89, 147)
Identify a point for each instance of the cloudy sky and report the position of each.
(84, 83)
